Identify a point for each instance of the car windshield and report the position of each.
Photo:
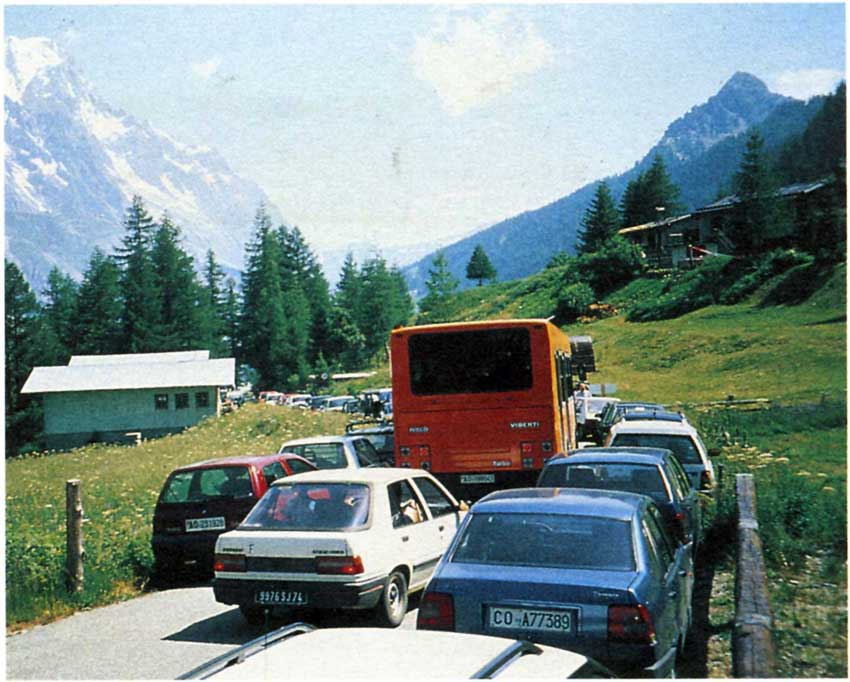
(323, 455)
(311, 506)
(200, 485)
(682, 446)
(633, 478)
(547, 540)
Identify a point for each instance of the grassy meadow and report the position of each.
(119, 485)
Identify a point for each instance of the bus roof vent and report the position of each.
(581, 349)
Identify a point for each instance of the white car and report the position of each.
(301, 652)
(676, 435)
(336, 452)
(337, 403)
(354, 538)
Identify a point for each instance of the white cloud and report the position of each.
(470, 62)
(206, 70)
(806, 83)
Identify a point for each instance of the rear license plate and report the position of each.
(478, 478)
(212, 523)
(289, 597)
(532, 620)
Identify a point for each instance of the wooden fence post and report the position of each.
(752, 640)
(74, 525)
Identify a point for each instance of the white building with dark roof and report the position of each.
(104, 398)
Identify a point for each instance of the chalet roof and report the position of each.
(654, 224)
(786, 191)
(125, 374)
(139, 358)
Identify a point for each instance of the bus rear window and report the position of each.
(486, 361)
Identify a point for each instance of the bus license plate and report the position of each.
(212, 523)
(478, 478)
(277, 597)
(532, 620)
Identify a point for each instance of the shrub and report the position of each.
(573, 301)
(614, 265)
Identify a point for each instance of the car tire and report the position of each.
(392, 606)
(255, 615)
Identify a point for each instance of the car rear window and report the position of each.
(323, 455)
(682, 446)
(200, 485)
(311, 506)
(632, 478)
(547, 540)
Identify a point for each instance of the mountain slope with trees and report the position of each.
(701, 151)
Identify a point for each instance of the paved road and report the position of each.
(157, 636)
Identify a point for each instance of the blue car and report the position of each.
(655, 472)
(592, 571)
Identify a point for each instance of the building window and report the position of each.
(160, 401)
(202, 399)
(181, 401)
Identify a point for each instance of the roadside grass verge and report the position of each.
(119, 485)
(802, 513)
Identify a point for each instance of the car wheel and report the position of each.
(255, 615)
(392, 607)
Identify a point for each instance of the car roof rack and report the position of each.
(240, 653)
(506, 658)
(351, 427)
(657, 415)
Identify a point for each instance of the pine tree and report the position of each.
(230, 316)
(441, 285)
(299, 266)
(374, 314)
(140, 315)
(23, 329)
(60, 298)
(179, 293)
(479, 266)
(759, 215)
(262, 325)
(96, 327)
(211, 331)
(600, 221)
(645, 195)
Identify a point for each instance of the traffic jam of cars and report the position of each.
(588, 574)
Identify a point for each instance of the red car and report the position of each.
(200, 501)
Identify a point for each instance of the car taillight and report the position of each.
(705, 480)
(229, 563)
(436, 612)
(630, 624)
(340, 565)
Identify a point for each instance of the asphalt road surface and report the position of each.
(157, 636)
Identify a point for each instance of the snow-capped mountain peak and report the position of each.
(27, 58)
(74, 163)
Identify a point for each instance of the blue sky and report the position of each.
(402, 125)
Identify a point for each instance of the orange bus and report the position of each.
(481, 405)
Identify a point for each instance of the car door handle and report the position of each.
(442, 527)
(405, 538)
(673, 594)
(683, 573)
